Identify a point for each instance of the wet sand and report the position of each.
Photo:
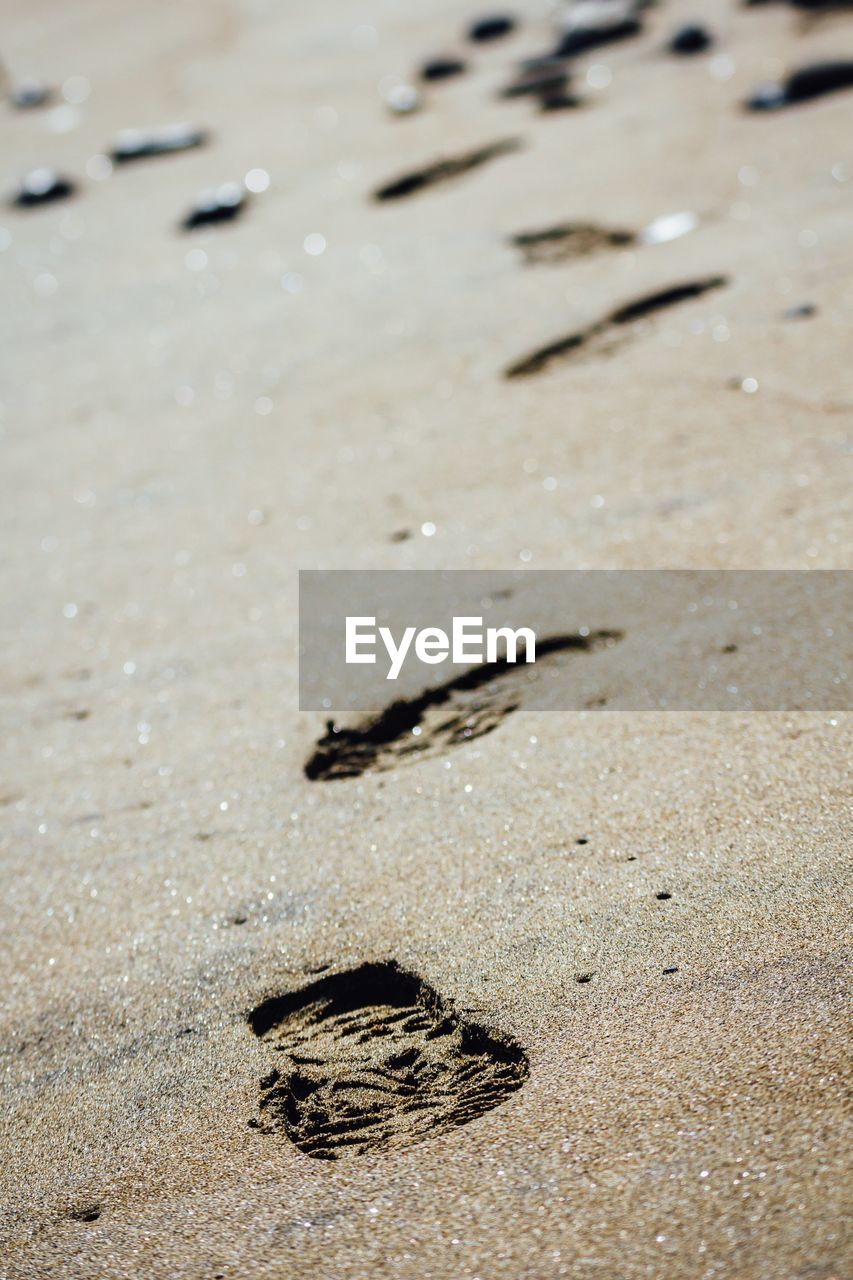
(189, 419)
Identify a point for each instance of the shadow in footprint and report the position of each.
(444, 170)
(464, 708)
(373, 1058)
(603, 334)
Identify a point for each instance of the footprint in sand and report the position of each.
(444, 170)
(604, 334)
(464, 708)
(373, 1058)
(569, 240)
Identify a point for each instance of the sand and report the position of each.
(189, 420)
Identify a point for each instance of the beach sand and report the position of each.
(189, 419)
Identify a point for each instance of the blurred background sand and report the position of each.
(188, 420)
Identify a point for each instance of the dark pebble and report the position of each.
(691, 38)
(29, 94)
(137, 144)
(802, 86)
(663, 896)
(673, 968)
(542, 62)
(813, 5)
(767, 97)
(223, 204)
(591, 37)
(823, 77)
(591, 23)
(491, 27)
(802, 311)
(42, 186)
(558, 100)
(442, 68)
(548, 77)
